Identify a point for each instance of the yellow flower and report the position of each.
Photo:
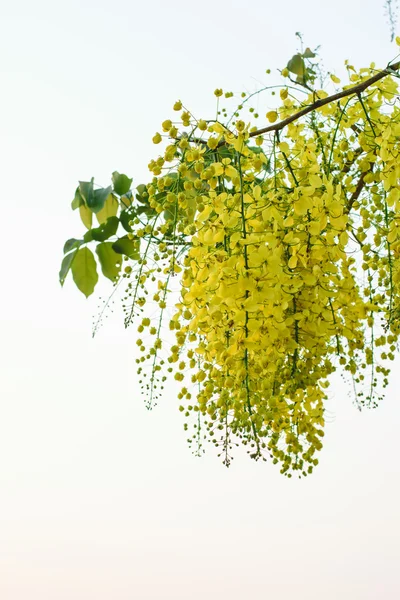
(272, 116)
(212, 143)
(334, 78)
(166, 125)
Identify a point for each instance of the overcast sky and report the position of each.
(100, 499)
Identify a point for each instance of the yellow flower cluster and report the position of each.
(288, 252)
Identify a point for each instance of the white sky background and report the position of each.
(99, 498)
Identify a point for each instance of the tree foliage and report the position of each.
(270, 254)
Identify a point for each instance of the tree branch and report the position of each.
(350, 163)
(356, 89)
(359, 188)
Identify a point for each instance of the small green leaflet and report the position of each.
(78, 200)
(142, 195)
(128, 247)
(125, 218)
(66, 265)
(94, 199)
(308, 53)
(110, 261)
(87, 192)
(103, 232)
(224, 152)
(86, 216)
(109, 209)
(126, 200)
(99, 199)
(84, 271)
(296, 65)
(170, 213)
(71, 244)
(122, 183)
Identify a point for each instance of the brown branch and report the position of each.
(359, 188)
(356, 89)
(350, 163)
(357, 191)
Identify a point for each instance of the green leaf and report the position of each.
(109, 209)
(84, 271)
(173, 174)
(296, 65)
(103, 232)
(87, 192)
(78, 200)
(224, 152)
(110, 261)
(170, 214)
(143, 197)
(308, 53)
(66, 265)
(122, 183)
(145, 206)
(148, 210)
(86, 216)
(128, 247)
(255, 149)
(141, 189)
(126, 200)
(125, 217)
(160, 197)
(94, 199)
(71, 244)
(99, 199)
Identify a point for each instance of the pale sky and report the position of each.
(100, 499)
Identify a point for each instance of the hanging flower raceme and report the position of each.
(287, 254)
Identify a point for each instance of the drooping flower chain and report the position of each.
(287, 251)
